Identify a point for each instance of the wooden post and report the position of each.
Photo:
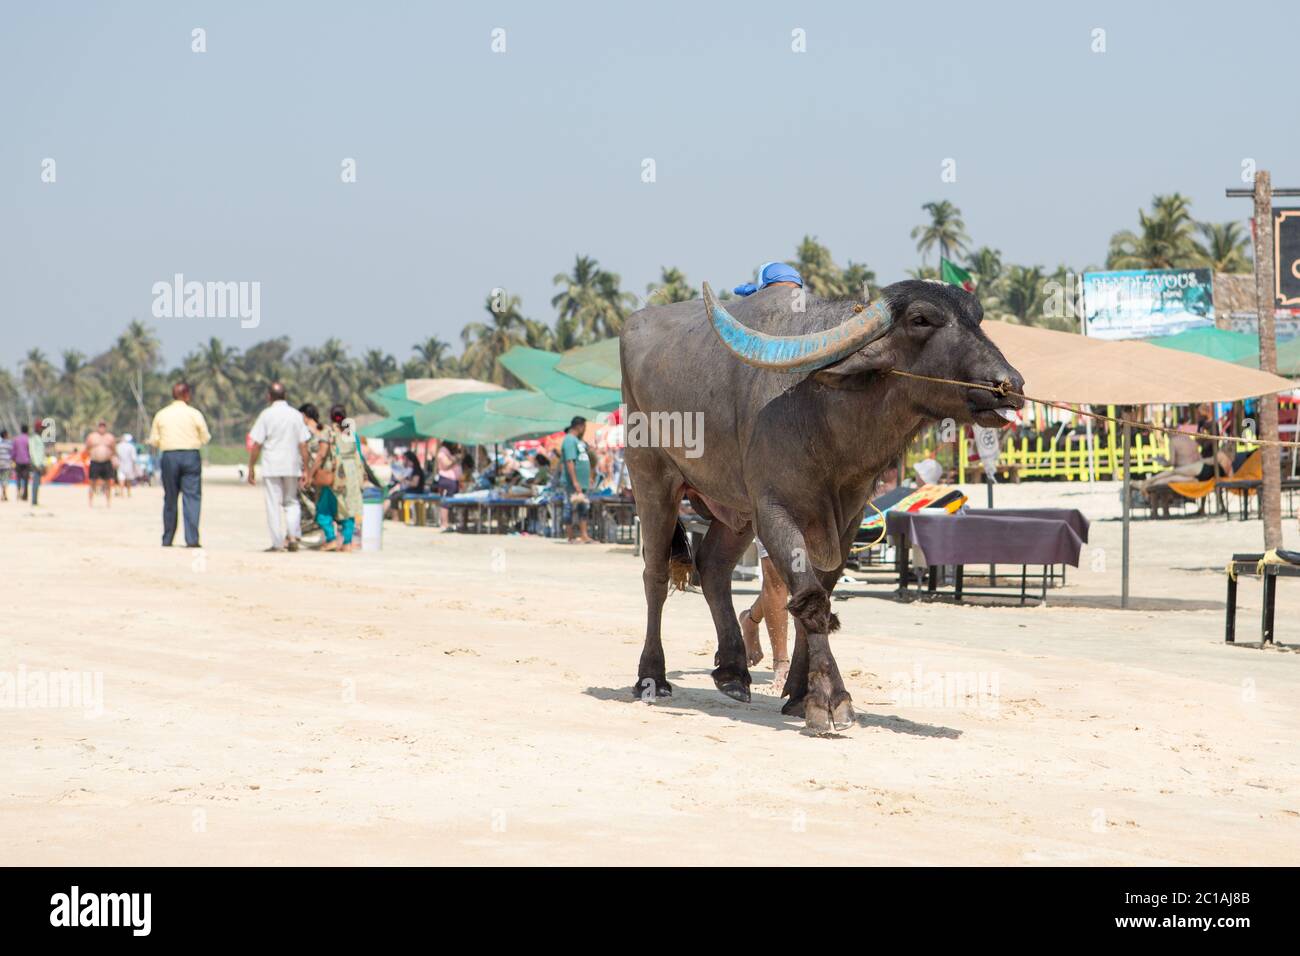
(1123, 594)
(1270, 499)
(961, 454)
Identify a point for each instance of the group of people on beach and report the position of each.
(566, 472)
(22, 458)
(312, 469)
(308, 464)
(113, 464)
(445, 475)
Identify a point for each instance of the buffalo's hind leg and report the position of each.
(715, 561)
(657, 494)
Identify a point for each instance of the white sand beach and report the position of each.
(466, 699)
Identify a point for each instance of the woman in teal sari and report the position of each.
(346, 457)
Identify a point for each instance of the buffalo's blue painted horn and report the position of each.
(797, 353)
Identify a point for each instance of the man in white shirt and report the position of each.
(280, 438)
(127, 464)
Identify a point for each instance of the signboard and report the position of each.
(1286, 325)
(1286, 257)
(988, 444)
(1141, 303)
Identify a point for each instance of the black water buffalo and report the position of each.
(797, 416)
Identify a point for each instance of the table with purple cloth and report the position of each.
(1071, 516)
(1023, 536)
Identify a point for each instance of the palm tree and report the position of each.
(378, 368)
(610, 308)
(946, 230)
(1023, 296)
(590, 298)
(12, 413)
(76, 402)
(1226, 248)
(486, 341)
(332, 376)
(1163, 240)
(564, 335)
(39, 378)
(133, 357)
(858, 279)
(432, 357)
(539, 335)
(671, 287)
(575, 287)
(215, 376)
(986, 264)
(821, 276)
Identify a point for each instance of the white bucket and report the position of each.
(372, 526)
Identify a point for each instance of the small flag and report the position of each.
(954, 274)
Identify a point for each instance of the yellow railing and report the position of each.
(1072, 459)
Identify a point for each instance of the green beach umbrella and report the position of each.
(539, 406)
(538, 370)
(393, 428)
(465, 418)
(596, 364)
(392, 399)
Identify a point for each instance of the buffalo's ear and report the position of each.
(876, 357)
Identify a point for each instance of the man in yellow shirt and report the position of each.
(178, 432)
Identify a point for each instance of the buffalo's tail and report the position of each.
(680, 561)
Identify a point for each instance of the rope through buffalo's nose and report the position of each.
(1004, 389)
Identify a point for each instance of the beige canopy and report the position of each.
(1074, 369)
(425, 390)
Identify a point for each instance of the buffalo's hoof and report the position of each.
(842, 715)
(816, 716)
(793, 707)
(733, 683)
(648, 688)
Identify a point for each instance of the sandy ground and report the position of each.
(466, 699)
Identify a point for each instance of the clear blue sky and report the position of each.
(479, 169)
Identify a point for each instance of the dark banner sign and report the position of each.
(1286, 257)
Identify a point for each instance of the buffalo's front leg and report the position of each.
(814, 686)
(827, 705)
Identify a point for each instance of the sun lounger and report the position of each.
(1243, 483)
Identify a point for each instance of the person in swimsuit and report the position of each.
(101, 447)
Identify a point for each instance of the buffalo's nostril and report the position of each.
(1011, 382)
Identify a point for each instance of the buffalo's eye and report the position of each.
(919, 320)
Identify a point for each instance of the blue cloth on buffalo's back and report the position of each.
(769, 273)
